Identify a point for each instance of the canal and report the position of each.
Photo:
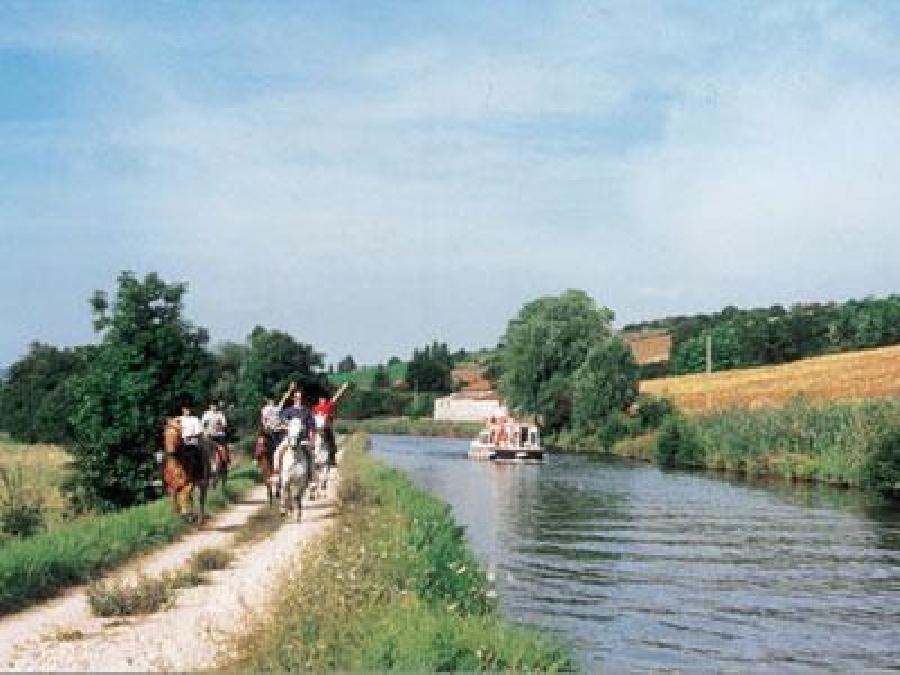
(640, 568)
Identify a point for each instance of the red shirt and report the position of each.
(325, 408)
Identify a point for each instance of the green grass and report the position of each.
(38, 567)
(408, 426)
(847, 443)
(362, 376)
(391, 585)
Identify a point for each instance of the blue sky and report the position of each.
(370, 176)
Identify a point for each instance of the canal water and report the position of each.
(641, 568)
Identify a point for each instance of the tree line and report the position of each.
(767, 336)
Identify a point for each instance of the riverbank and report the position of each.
(408, 426)
(392, 586)
(850, 443)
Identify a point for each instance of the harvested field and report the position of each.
(43, 469)
(852, 375)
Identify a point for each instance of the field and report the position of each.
(43, 469)
(853, 375)
(362, 376)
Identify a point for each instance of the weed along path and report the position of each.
(199, 617)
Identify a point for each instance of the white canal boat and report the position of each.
(508, 440)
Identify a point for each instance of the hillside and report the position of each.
(851, 375)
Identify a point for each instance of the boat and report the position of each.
(506, 439)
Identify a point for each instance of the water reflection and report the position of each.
(642, 568)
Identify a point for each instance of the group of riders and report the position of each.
(288, 428)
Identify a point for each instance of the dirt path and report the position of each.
(63, 634)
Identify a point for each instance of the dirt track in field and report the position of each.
(195, 631)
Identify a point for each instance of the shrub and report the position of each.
(126, 598)
(881, 470)
(678, 443)
(208, 559)
(652, 410)
(21, 515)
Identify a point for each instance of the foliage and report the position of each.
(544, 345)
(150, 360)
(771, 335)
(35, 397)
(678, 443)
(430, 368)
(364, 376)
(210, 558)
(881, 469)
(366, 403)
(273, 360)
(409, 426)
(36, 568)
(381, 379)
(229, 358)
(652, 410)
(421, 405)
(392, 586)
(21, 514)
(346, 365)
(604, 384)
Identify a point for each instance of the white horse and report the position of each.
(292, 469)
(319, 480)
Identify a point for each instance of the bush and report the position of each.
(421, 406)
(652, 410)
(21, 515)
(127, 598)
(678, 443)
(881, 470)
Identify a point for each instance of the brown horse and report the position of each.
(184, 468)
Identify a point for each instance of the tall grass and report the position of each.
(38, 567)
(391, 586)
(835, 443)
(43, 469)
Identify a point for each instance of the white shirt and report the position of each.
(270, 417)
(190, 427)
(214, 422)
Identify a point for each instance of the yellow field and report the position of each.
(854, 375)
(43, 469)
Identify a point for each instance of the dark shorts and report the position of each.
(330, 446)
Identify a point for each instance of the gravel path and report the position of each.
(63, 634)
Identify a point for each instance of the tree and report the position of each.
(380, 378)
(346, 365)
(150, 361)
(604, 384)
(430, 368)
(273, 360)
(35, 397)
(544, 345)
(229, 359)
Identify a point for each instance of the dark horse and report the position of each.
(186, 467)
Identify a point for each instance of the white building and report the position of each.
(469, 406)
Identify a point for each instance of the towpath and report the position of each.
(195, 631)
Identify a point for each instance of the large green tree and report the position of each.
(544, 345)
(150, 360)
(606, 383)
(430, 368)
(272, 361)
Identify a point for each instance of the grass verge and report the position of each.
(38, 567)
(391, 586)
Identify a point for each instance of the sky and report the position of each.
(371, 176)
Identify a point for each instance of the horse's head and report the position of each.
(172, 434)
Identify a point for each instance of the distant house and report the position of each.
(649, 346)
(469, 406)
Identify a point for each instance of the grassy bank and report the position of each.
(37, 567)
(391, 586)
(34, 474)
(408, 426)
(846, 443)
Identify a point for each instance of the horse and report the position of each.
(293, 468)
(184, 468)
(264, 464)
(220, 459)
(319, 478)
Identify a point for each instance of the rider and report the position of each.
(190, 426)
(324, 412)
(269, 423)
(296, 410)
(215, 426)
